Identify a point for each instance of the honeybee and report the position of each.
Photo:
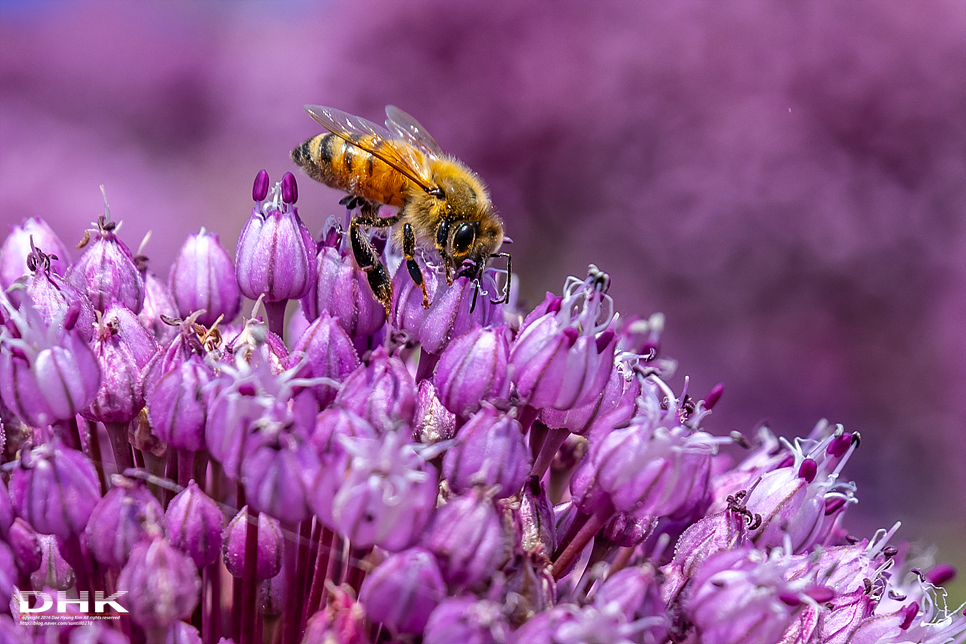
(441, 203)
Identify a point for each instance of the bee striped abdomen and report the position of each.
(332, 160)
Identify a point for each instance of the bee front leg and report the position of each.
(366, 256)
(409, 251)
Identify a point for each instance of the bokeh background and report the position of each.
(786, 181)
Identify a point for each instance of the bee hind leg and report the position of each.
(409, 251)
(366, 256)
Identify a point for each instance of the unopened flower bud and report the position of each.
(162, 584)
(158, 302)
(467, 620)
(489, 451)
(54, 571)
(270, 543)
(342, 290)
(467, 537)
(328, 353)
(127, 515)
(453, 310)
(178, 406)
(433, 422)
(472, 369)
(32, 232)
(194, 524)
(403, 591)
(203, 277)
(563, 359)
(382, 392)
(55, 489)
(106, 272)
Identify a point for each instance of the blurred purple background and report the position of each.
(786, 181)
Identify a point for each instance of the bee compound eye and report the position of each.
(463, 238)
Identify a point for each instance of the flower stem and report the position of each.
(275, 312)
(357, 567)
(573, 549)
(318, 575)
(117, 432)
(555, 438)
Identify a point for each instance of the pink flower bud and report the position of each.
(270, 543)
(162, 584)
(127, 515)
(489, 451)
(106, 272)
(341, 288)
(382, 392)
(472, 369)
(403, 591)
(194, 525)
(203, 277)
(17, 247)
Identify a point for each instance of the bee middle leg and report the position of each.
(366, 256)
(409, 251)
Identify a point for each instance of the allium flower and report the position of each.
(467, 621)
(31, 353)
(275, 253)
(106, 272)
(342, 290)
(563, 358)
(404, 591)
(489, 451)
(32, 233)
(194, 524)
(127, 515)
(382, 392)
(473, 368)
(162, 584)
(202, 277)
(378, 493)
(269, 553)
(53, 295)
(54, 489)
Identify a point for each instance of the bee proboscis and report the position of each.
(441, 203)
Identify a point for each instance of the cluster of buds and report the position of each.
(466, 471)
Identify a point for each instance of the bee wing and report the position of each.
(375, 140)
(409, 130)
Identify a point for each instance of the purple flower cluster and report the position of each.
(464, 472)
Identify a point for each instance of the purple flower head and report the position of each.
(433, 422)
(563, 358)
(53, 295)
(121, 395)
(127, 515)
(47, 373)
(469, 540)
(178, 405)
(472, 369)
(194, 525)
(327, 352)
(568, 624)
(270, 545)
(275, 254)
(341, 288)
(32, 233)
(489, 451)
(403, 591)
(334, 422)
(453, 310)
(158, 304)
(162, 584)
(107, 272)
(54, 489)
(382, 392)
(467, 620)
(203, 277)
(379, 492)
